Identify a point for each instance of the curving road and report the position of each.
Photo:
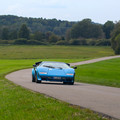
(98, 98)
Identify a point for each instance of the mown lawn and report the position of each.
(54, 52)
(17, 103)
(101, 73)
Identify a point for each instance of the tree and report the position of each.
(53, 38)
(39, 36)
(24, 32)
(57, 31)
(86, 29)
(48, 34)
(13, 35)
(107, 28)
(68, 34)
(5, 34)
(59, 27)
(115, 41)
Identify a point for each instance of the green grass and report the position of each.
(101, 73)
(54, 52)
(17, 103)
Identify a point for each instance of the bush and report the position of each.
(103, 42)
(62, 42)
(78, 42)
(99, 42)
(35, 42)
(20, 41)
(3, 41)
(91, 42)
(53, 38)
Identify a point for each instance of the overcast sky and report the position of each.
(72, 10)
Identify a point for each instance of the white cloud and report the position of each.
(98, 10)
(14, 9)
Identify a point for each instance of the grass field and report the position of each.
(101, 73)
(54, 52)
(17, 103)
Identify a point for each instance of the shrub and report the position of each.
(78, 42)
(91, 42)
(62, 42)
(35, 42)
(103, 42)
(3, 41)
(20, 41)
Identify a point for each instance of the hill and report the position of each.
(35, 24)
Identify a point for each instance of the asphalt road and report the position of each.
(98, 98)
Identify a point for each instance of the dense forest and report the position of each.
(58, 27)
(22, 30)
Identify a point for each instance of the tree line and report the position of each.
(85, 28)
(24, 36)
(13, 23)
(84, 32)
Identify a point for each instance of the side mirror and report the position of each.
(75, 68)
(34, 65)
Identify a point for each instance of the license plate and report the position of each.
(57, 78)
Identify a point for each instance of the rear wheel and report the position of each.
(36, 80)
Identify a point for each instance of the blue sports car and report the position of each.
(53, 71)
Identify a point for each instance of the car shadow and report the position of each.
(53, 83)
(60, 83)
